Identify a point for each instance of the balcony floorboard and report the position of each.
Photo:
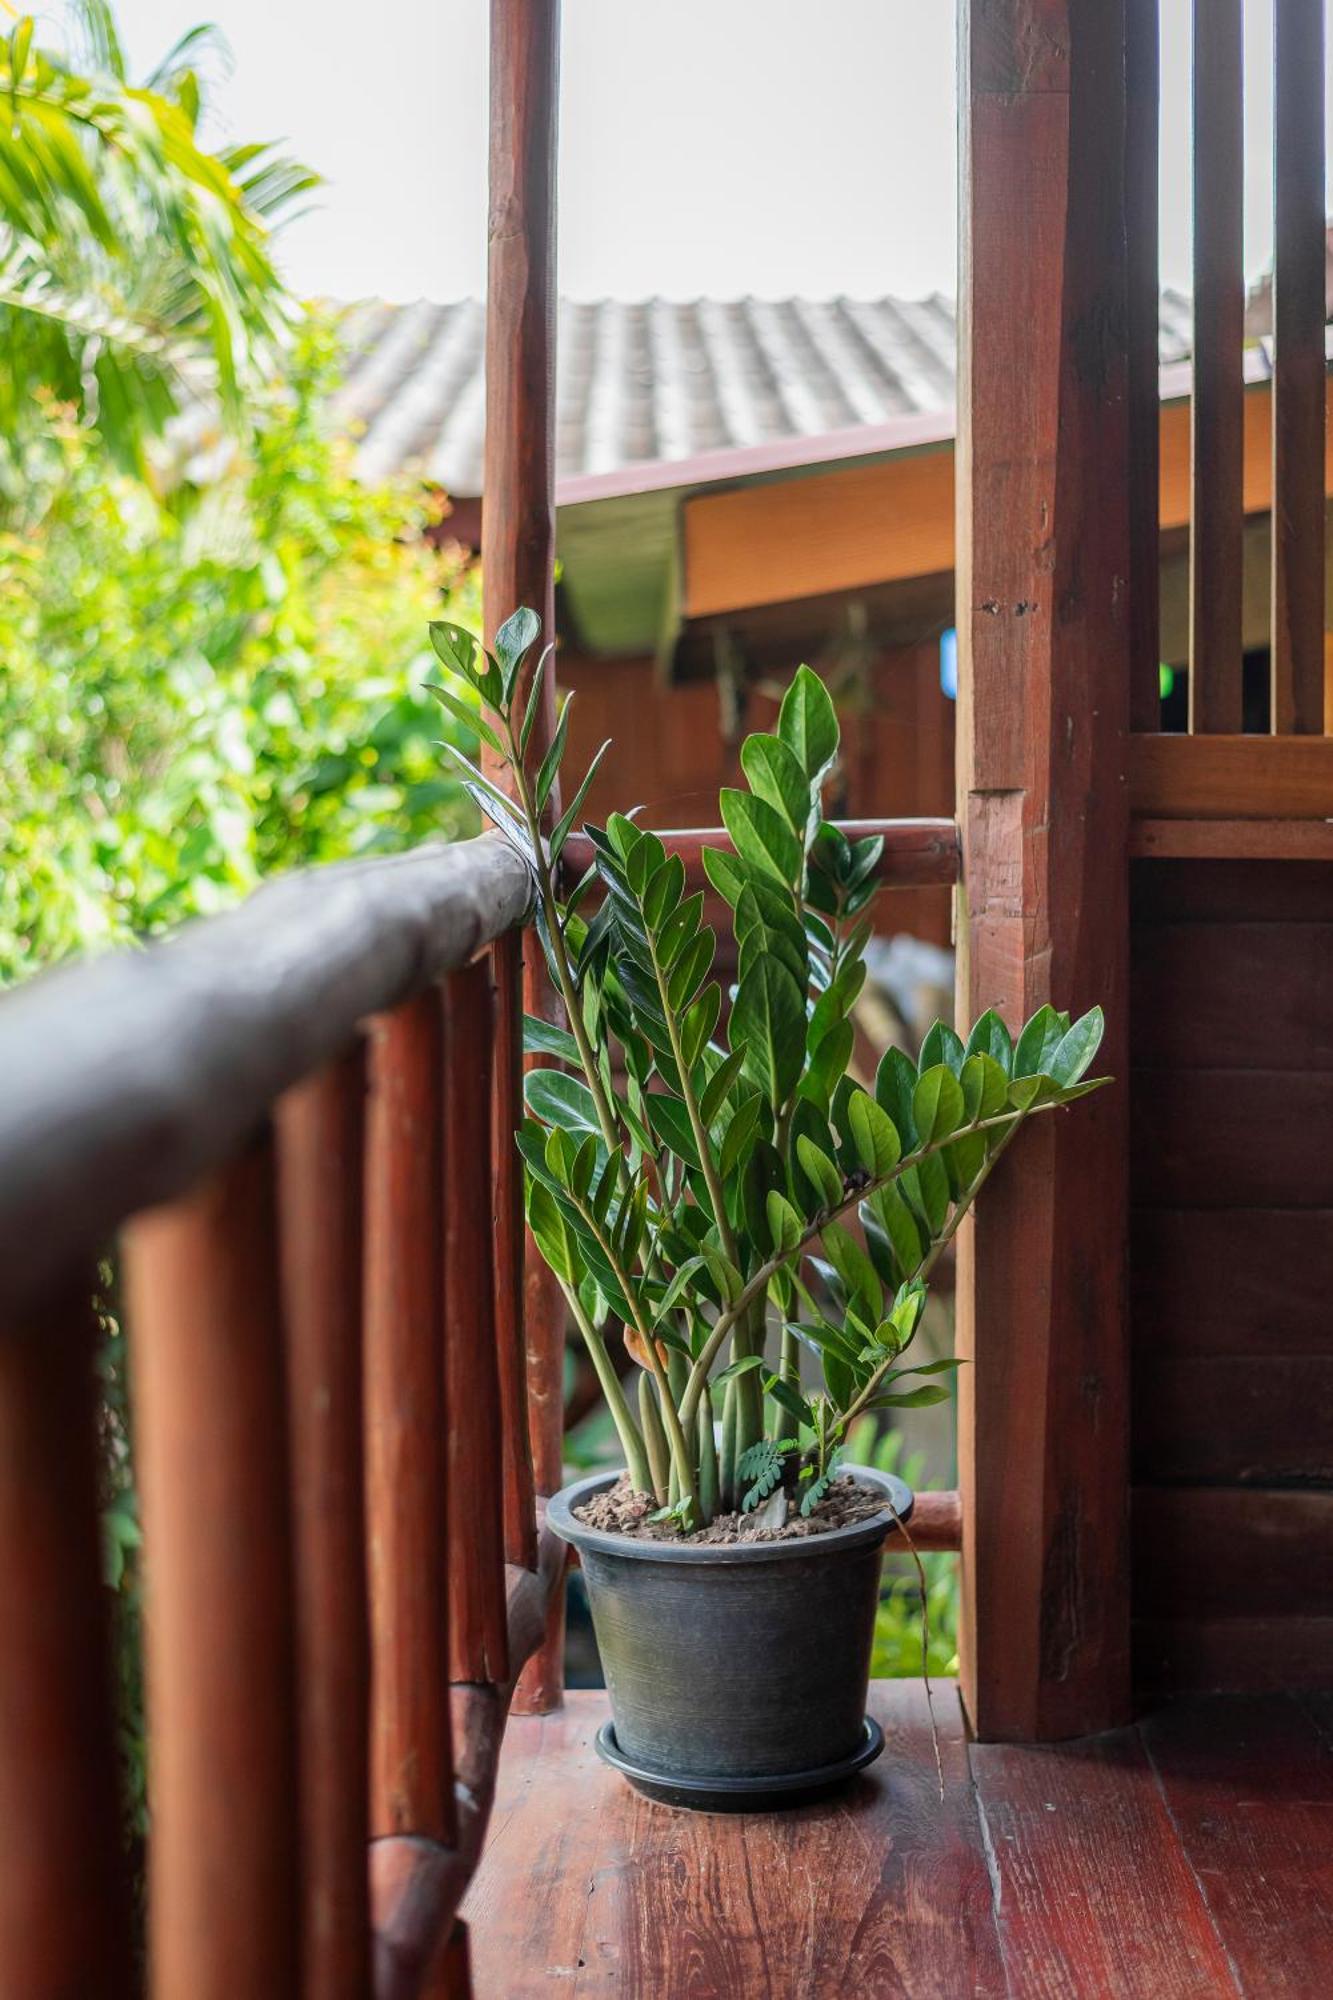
(1095, 1868)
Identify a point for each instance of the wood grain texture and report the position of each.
(1142, 108)
(320, 1128)
(1232, 996)
(205, 1316)
(1095, 1896)
(1046, 643)
(1231, 777)
(1234, 1655)
(475, 1510)
(130, 1076)
(1219, 1419)
(1299, 312)
(1217, 1552)
(1232, 839)
(518, 557)
(1250, 1789)
(1207, 1138)
(1251, 1283)
(1217, 406)
(411, 1790)
(64, 1892)
(880, 1890)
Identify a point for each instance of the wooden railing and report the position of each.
(286, 1114)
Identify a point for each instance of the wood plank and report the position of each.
(1250, 1788)
(1246, 1282)
(1232, 1138)
(1231, 777)
(520, 1516)
(1298, 369)
(1142, 107)
(1217, 1552)
(1220, 1418)
(1232, 996)
(881, 1889)
(1231, 839)
(1045, 650)
(64, 1887)
(1233, 1655)
(320, 1133)
(1217, 404)
(206, 1343)
(1094, 1895)
(1249, 891)
(518, 564)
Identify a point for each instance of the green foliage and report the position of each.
(739, 1182)
(195, 697)
(136, 269)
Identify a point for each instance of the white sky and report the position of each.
(707, 146)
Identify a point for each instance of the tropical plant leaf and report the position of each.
(808, 724)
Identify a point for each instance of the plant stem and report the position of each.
(631, 1442)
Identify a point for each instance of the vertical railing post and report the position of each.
(1045, 641)
(518, 567)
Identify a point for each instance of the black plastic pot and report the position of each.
(737, 1673)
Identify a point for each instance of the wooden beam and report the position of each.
(1231, 840)
(1218, 437)
(1045, 648)
(1231, 777)
(1298, 369)
(518, 565)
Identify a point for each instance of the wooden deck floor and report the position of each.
(1190, 1856)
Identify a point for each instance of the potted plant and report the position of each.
(703, 1173)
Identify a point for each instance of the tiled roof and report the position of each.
(656, 380)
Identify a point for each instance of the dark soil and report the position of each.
(621, 1511)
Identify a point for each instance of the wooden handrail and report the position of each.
(129, 1077)
(918, 853)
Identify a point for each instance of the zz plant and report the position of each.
(694, 1169)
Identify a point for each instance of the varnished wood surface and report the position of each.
(1180, 1859)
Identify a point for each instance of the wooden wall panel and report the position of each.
(1232, 1273)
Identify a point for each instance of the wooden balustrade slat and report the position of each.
(1298, 369)
(917, 852)
(411, 1789)
(1217, 410)
(319, 1127)
(475, 1510)
(203, 1295)
(520, 1516)
(518, 561)
(1142, 101)
(64, 1903)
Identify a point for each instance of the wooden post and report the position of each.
(1045, 637)
(411, 1782)
(518, 567)
(205, 1318)
(319, 1127)
(64, 1893)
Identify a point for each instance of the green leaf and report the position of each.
(761, 836)
(459, 649)
(990, 1037)
(465, 713)
(585, 1163)
(901, 1230)
(690, 970)
(533, 709)
(542, 1038)
(937, 1105)
(1038, 1042)
(852, 1265)
(745, 1366)
(1076, 1049)
(664, 891)
(874, 1134)
(823, 1175)
(941, 1045)
(564, 826)
(739, 1133)
(560, 1100)
(784, 1224)
(985, 1088)
(698, 1025)
(895, 1089)
(768, 1022)
(776, 775)
(551, 1233)
(715, 1090)
(670, 1120)
(789, 1399)
(726, 874)
(808, 724)
(911, 1399)
(680, 926)
(520, 630)
(550, 764)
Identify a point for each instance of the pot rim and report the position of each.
(856, 1535)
